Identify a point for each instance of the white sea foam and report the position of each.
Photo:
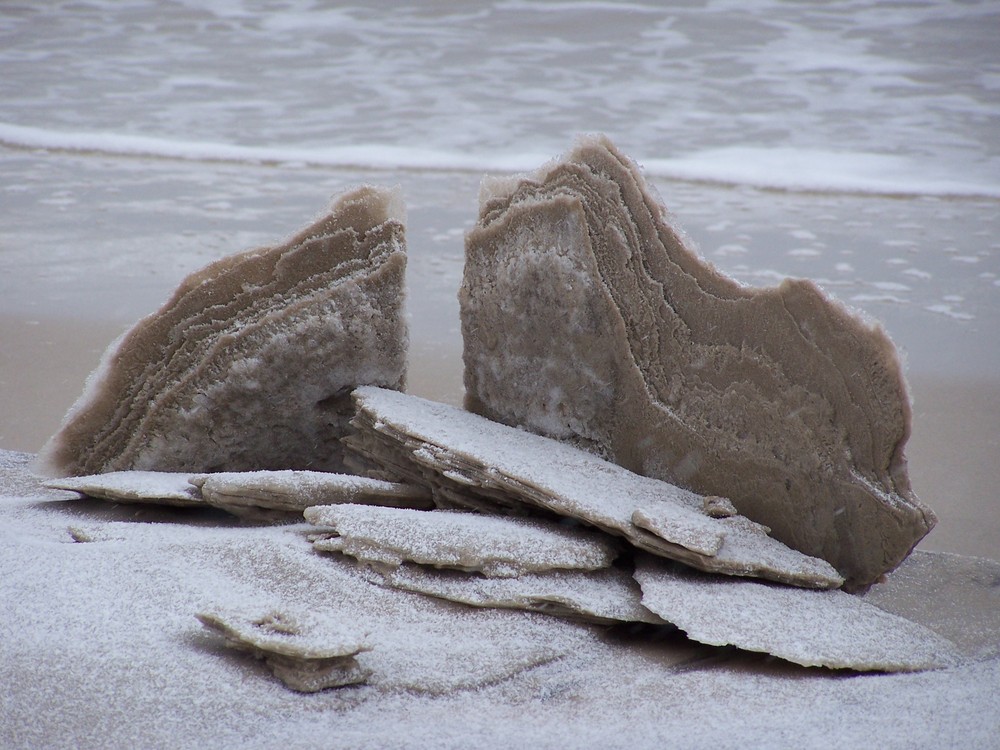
(364, 156)
(786, 169)
(949, 311)
(820, 171)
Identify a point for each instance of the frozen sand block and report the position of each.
(497, 547)
(305, 653)
(470, 462)
(604, 597)
(813, 628)
(250, 364)
(255, 495)
(586, 317)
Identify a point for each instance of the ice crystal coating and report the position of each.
(587, 317)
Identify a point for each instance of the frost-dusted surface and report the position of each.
(254, 495)
(602, 596)
(297, 490)
(159, 487)
(472, 462)
(101, 646)
(586, 316)
(495, 546)
(304, 653)
(812, 628)
(272, 338)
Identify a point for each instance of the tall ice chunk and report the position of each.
(587, 317)
(250, 363)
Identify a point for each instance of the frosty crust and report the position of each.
(249, 364)
(813, 628)
(471, 463)
(497, 547)
(304, 653)
(587, 318)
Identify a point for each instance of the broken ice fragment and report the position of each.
(602, 596)
(588, 318)
(304, 653)
(156, 487)
(249, 364)
(494, 546)
(503, 469)
(719, 507)
(808, 627)
(294, 491)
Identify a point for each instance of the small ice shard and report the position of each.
(433, 662)
(495, 546)
(719, 507)
(155, 487)
(294, 491)
(813, 628)
(250, 363)
(468, 461)
(304, 653)
(603, 596)
(587, 317)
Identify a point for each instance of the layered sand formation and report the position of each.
(472, 463)
(254, 495)
(305, 653)
(586, 317)
(249, 365)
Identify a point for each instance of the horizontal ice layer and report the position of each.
(304, 652)
(813, 628)
(249, 364)
(497, 547)
(470, 462)
(255, 495)
(605, 596)
(295, 491)
(587, 318)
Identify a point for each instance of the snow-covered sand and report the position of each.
(100, 643)
(853, 144)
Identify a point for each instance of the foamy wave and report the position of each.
(793, 170)
(362, 156)
(803, 170)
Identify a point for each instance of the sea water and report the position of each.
(854, 96)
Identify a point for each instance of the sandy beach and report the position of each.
(854, 146)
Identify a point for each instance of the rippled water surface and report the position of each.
(916, 81)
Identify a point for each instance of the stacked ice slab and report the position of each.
(557, 562)
(586, 317)
(674, 419)
(250, 364)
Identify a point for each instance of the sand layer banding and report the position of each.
(255, 495)
(249, 364)
(605, 597)
(586, 317)
(496, 547)
(813, 628)
(470, 462)
(305, 653)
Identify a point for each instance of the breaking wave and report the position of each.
(786, 169)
